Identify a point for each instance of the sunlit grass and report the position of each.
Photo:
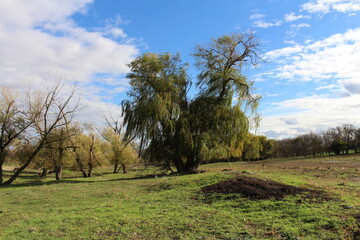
(128, 206)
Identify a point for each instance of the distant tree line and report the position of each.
(338, 140)
(342, 139)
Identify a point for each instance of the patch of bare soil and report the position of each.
(256, 188)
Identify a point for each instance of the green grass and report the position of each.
(118, 206)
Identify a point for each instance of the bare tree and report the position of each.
(114, 123)
(15, 119)
(48, 111)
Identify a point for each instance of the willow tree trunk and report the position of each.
(190, 166)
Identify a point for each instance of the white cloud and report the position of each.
(27, 14)
(263, 24)
(283, 52)
(300, 25)
(292, 42)
(336, 57)
(267, 94)
(94, 110)
(39, 38)
(117, 32)
(326, 6)
(111, 27)
(256, 16)
(291, 17)
(327, 87)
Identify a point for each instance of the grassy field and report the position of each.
(131, 206)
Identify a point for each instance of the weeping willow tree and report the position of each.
(183, 132)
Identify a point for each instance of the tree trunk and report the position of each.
(115, 167)
(179, 165)
(43, 173)
(169, 166)
(57, 163)
(25, 165)
(2, 160)
(190, 166)
(1, 173)
(58, 173)
(141, 145)
(90, 169)
(124, 168)
(91, 156)
(118, 169)
(78, 161)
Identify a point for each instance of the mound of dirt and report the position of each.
(256, 188)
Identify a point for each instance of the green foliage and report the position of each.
(186, 132)
(338, 146)
(267, 149)
(220, 64)
(252, 147)
(256, 147)
(118, 152)
(83, 148)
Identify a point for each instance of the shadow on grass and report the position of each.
(35, 181)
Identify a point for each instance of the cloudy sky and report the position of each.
(309, 82)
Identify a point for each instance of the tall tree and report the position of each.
(182, 131)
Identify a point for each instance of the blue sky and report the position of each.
(310, 81)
